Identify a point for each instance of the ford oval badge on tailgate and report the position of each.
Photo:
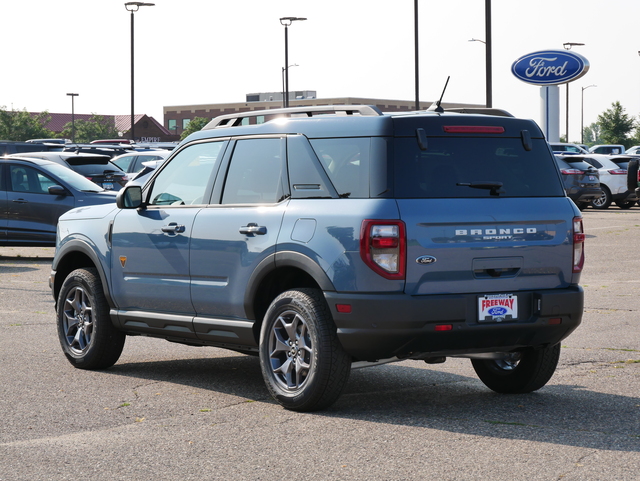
(425, 260)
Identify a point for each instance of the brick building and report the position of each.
(147, 129)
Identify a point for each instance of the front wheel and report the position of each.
(519, 372)
(87, 336)
(303, 363)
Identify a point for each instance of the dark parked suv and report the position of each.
(331, 237)
(581, 180)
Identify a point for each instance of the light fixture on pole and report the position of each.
(134, 7)
(73, 118)
(567, 46)
(286, 21)
(582, 113)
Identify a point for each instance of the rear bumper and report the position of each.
(627, 195)
(382, 326)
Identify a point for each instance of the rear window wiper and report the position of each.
(494, 187)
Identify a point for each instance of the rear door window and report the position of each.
(474, 168)
(255, 173)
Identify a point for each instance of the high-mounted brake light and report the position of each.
(578, 244)
(383, 247)
(474, 129)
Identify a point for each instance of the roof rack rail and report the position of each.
(480, 110)
(234, 120)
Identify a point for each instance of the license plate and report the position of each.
(497, 308)
(107, 185)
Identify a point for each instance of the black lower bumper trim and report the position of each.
(382, 326)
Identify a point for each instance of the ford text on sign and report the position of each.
(550, 67)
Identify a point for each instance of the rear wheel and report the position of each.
(625, 204)
(303, 363)
(87, 336)
(520, 372)
(604, 201)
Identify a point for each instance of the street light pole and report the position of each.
(488, 68)
(567, 46)
(134, 7)
(582, 113)
(417, 70)
(73, 118)
(286, 21)
(283, 87)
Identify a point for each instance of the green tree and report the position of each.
(615, 125)
(196, 124)
(20, 125)
(96, 128)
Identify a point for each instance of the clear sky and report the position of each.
(213, 51)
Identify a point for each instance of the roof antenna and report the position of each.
(435, 107)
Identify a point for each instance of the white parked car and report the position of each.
(608, 149)
(635, 150)
(134, 161)
(613, 181)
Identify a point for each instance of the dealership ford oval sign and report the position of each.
(550, 67)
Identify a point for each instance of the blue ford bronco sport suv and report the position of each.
(328, 238)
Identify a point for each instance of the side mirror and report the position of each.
(129, 197)
(57, 190)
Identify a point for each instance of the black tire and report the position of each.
(303, 363)
(632, 174)
(604, 201)
(625, 204)
(582, 205)
(518, 373)
(87, 335)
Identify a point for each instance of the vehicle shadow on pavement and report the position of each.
(434, 399)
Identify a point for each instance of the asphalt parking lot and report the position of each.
(171, 412)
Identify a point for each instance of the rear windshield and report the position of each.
(457, 167)
(98, 169)
(574, 164)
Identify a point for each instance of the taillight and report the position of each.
(89, 177)
(578, 244)
(618, 172)
(571, 171)
(383, 247)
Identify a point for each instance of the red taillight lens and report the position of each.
(618, 172)
(578, 244)
(383, 247)
(571, 171)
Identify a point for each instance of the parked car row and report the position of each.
(582, 172)
(41, 180)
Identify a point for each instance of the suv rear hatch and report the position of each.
(484, 206)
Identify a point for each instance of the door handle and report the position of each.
(253, 229)
(173, 228)
(20, 201)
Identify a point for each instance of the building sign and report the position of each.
(550, 67)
